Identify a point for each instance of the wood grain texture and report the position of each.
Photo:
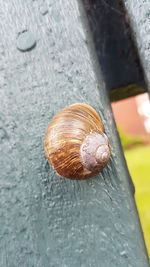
(47, 221)
(139, 18)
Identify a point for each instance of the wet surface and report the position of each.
(46, 220)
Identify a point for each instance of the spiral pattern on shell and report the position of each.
(75, 143)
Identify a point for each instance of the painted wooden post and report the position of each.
(139, 17)
(48, 61)
(115, 47)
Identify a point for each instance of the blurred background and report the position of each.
(132, 117)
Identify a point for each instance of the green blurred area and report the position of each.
(130, 141)
(138, 161)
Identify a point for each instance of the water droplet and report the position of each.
(25, 41)
(123, 253)
(3, 134)
(43, 194)
(148, 13)
(43, 9)
(48, 249)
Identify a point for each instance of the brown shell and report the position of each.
(75, 144)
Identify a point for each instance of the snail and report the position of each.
(75, 144)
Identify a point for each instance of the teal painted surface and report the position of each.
(47, 221)
(139, 17)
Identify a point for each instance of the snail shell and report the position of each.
(75, 143)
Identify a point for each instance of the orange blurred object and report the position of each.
(133, 115)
